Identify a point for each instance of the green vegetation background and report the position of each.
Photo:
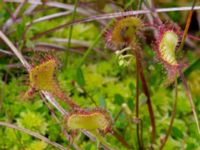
(100, 79)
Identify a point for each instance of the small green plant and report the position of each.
(37, 145)
(126, 33)
(32, 121)
(124, 59)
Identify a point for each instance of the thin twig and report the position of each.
(59, 122)
(67, 56)
(120, 138)
(146, 92)
(17, 65)
(15, 51)
(154, 13)
(44, 46)
(172, 118)
(36, 135)
(6, 52)
(30, 9)
(189, 18)
(49, 17)
(10, 21)
(137, 103)
(113, 15)
(188, 93)
(73, 41)
(87, 12)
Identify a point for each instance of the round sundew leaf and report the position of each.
(89, 121)
(41, 76)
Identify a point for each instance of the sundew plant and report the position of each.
(99, 75)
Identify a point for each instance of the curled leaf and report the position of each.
(165, 49)
(123, 32)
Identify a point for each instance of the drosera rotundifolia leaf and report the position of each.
(165, 47)
(123, 32)
(89, 120)
(41, 76)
